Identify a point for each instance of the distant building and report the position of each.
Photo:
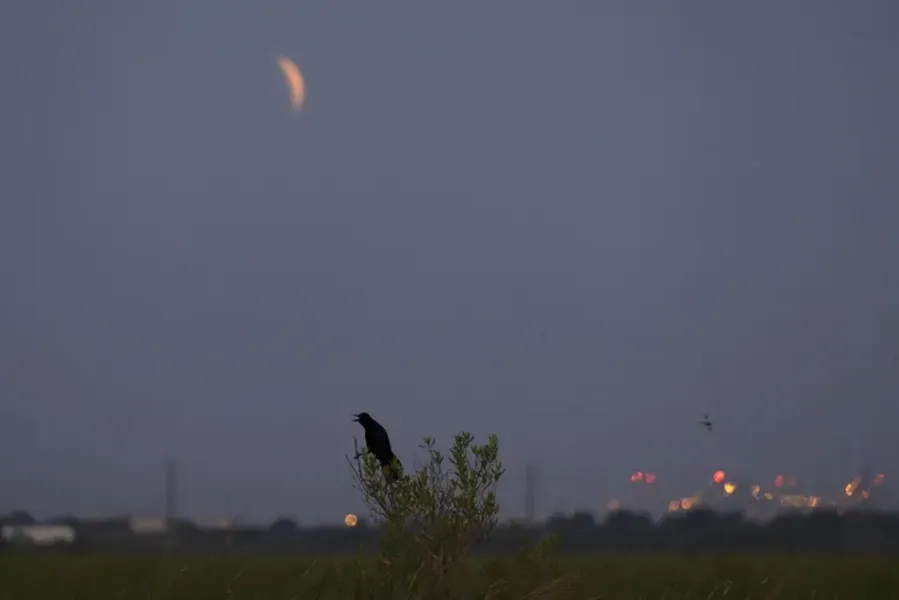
(41, 535)
(145, 525)
(220, 524)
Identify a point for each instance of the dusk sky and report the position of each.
(577, 225)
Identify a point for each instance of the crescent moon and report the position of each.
(296, 85)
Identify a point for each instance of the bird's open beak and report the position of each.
(355, 418)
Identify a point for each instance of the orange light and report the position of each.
(798, 501)
(650, 478)
(674, 506)
(350, 520)
(729, 488)
(852, 486)
(718, 476)
(779, 481)
(637, 477)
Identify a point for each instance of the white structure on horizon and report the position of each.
(219, 524)
(44, 535)
(148, 524)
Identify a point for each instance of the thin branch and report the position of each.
(377, 506)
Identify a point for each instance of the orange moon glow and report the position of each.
(295, 82)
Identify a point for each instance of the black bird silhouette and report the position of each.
(706, 422)
(378, 443)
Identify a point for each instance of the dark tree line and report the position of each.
(697, 531)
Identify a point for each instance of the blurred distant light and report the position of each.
(852, 486)
(687, 503)
(755, 489)
(350, 520)
(613, 505)
(729, 488)
(798, 501)
(866, 494)
(637, 476)
(768, 496)
(650, 478)
(779, 481)
(674, 505)
(718, 476)
(879, 479)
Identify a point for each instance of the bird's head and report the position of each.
(362, 418)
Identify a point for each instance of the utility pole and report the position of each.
(171, 489)
(530, 492)
(171, 504)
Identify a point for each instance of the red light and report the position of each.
(779, 481)
(637, 477)
(650, 478)
(718, 477)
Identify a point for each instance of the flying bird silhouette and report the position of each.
(705, 422)
(378, 443)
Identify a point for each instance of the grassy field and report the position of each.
(307, 578)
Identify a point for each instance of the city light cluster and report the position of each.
(641, 477)
(783, 492)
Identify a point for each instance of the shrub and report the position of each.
(431, 521)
